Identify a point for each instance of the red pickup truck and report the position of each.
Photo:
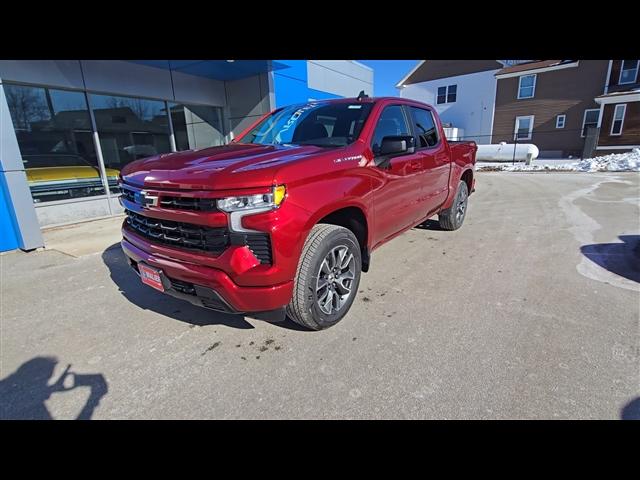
(288, 214)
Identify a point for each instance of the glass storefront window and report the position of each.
(130, 128)
(53, 129)
(196, 126)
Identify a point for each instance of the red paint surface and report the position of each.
(394, 199)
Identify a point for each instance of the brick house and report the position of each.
(620, 108)
(559, 105)
(550, 103)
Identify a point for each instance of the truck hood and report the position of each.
(231, 166)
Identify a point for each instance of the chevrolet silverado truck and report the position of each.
(287, 215)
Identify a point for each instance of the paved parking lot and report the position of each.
(531, 310)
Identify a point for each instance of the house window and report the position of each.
(590, 119)
(447, 94)
(628, 72)
(527, 86)
(524, 128)
(560, 121)
(452, 93)
(618, 119)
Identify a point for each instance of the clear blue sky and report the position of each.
(386, 73)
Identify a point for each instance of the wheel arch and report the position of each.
(467, 177)
(352, 217)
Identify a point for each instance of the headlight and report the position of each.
(261, 201)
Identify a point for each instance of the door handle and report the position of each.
(415, 165)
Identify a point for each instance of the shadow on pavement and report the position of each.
(24, 392)
(430, 225)
(147, 298)
(631, 411)
(620, 258)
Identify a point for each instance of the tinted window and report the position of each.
(130, 128)
(53, 128)
(391, 122)
(330, 125)
(196, 126)
(425, 127)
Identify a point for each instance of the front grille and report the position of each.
(177, 234)
(188, 203)
(180, 203)
(197, 237)
(128, 195)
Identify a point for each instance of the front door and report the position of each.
(397, 187)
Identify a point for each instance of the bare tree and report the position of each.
(137, 105)
(26, 106)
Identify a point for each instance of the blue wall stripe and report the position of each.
(8, 237)
(291, 86)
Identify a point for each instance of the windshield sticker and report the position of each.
(355, 106)
(294, 118)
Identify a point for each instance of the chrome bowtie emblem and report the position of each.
(146, 200)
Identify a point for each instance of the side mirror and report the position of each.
(397, 144)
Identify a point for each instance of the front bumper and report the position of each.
(210, 287)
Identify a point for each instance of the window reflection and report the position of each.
(130, 128)
(55, 136)
(196, 126)
(53, 129)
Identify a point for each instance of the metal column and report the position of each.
(24, 216)
(96, 145)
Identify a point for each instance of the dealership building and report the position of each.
(67, 127)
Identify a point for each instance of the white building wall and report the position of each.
(345, 78)
(474, 106)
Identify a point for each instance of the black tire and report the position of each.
(305, 308)
(452, 218)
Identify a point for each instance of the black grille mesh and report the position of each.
(189, 203)
(196, 237)
(177, 234)
(179, 203)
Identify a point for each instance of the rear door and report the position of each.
(435, 160)
(396, 196)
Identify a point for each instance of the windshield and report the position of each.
(321, 124)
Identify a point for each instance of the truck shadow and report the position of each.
(23, 393)
(620, 258)
(430, 225)
(147, 298)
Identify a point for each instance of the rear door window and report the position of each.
(425, 127)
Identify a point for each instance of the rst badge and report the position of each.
(146, 200)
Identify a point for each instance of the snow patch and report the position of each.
(617, 162)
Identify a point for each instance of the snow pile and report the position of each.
(618, 162)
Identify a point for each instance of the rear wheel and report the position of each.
(327, 278)
(453, 217)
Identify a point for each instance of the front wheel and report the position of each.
(327, 278)
(453, 217)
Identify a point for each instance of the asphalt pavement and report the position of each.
(530, 310)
